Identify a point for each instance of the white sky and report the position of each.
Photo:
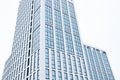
(99, 22)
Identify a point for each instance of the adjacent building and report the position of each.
(98, 67)
(47, 43)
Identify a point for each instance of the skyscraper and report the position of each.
(97, 64)
(46, 43)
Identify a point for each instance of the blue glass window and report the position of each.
(74, 65)
(53, 75)
(47, 74)
(59, 75)
(58, 61)
(57, 5)
(53, 59)
(49, 36)
(69, 64)
(71, 77)
(64, 62)
(76, 77)
(65, 76)
(46, 58)
(48, 15)
(71, 9)
(64, 6)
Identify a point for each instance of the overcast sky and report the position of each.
(99, 22)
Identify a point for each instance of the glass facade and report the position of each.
(47, 45)
(96, 61)
(62, 42)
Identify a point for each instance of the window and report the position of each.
(34, 61)
(69, 43)
(29, 44)
(30, 37)
(74, 65)
(81, 77)
(27, 71)
(72, 11)
(91, 63)
(47, 73)
(38, 75)
(76, 77)
(49, 36)
(65, 76)
(57, 5)
(30, 30)
(71, 77)
(31, 65)
(38, 64)
(31, 24)
(64, 7)
(31, 17)
(59, 32)
(34, 76)
(53, 59)
(36, 40)
(32, 12)
(32, 6)
(69, 64)
(53, 75)
(36, 19)
(30, 77)
(48, 3)
(84, 67)
(86, 78)
(24, 74)
(59, 75)
(58, 60)
(46, 58)
(28, 53)
(79, 65)
(64, 62)
(28, 61)
(36, 5)
(48, 15)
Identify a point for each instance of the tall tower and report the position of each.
(46, 43)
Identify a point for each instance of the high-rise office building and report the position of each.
(46, 43)
(97, 64)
